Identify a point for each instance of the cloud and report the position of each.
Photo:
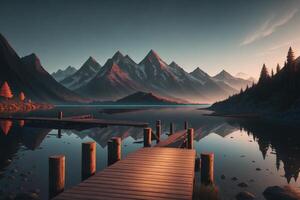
(269, 27)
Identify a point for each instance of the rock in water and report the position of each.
(27, 196)
(244, 196)
(282, 193)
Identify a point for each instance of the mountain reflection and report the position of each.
(282, 141)
(15, 137)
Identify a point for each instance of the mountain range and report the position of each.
(26, 74)
(121, 76)
(61, 74)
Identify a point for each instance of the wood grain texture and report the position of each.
(148, 173)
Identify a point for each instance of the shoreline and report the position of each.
(8, 108)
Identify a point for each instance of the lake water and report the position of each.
(256, 153)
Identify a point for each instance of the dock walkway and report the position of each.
(148, 173)
(78, 121)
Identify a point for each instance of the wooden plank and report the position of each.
(76, 121)
(148, 173)
(175, 140)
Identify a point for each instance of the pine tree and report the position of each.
(22, 96)
(277, 68)
(290, 58)
(5, 91)
(272, 73)
(264, 74)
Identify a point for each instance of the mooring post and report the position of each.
(186, 126)
(207, 168)
(113, 150)
(60, 115)
(59, 133)
(147, 137)
(171, 128)
(158, 133)
(88, 159)
(56, 175)
(197, 163)
(190, 138)
(158, 122)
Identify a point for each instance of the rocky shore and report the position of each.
(23, 107)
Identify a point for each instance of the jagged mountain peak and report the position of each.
(174, 64)
(153, 55)
(223, 74)
(91, 60)
(90, 64)
(117, 56)
(32, 61)
(153, 58)
(199, 72)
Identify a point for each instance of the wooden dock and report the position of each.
(148, 173)
(76, 121)
(175, 140)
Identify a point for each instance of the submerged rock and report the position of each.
(244, 196)
(242, 184)
(27, 196)
(282, 193)
(223, 177)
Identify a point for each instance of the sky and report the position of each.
(235, 35)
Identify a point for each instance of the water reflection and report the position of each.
(28, 144)
(283, 141)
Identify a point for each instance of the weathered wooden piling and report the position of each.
(56, 175)
(88, 160)
(147, 137)
(158, 133)
(60, 115)
(59, 133)
(172, 131)
(113, 150)
(190, 138)
(158, 122)
(207, 168)
(186, 126)
(197, 163)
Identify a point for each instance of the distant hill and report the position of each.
(63, 73)
(232, 81)
(278, 94)
(144, 98)
(245, 76)
(28, 75)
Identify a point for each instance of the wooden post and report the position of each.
(158, 133)
(197, 164)
(172, 129)
(56, 175)
(147, 137)
(59, 133)
(88, 159)
(186, 126)
(158, 122)
(207, 168)
(60, 115)
(113, 150)
(190, 138)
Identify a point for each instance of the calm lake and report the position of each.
(246, 151)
